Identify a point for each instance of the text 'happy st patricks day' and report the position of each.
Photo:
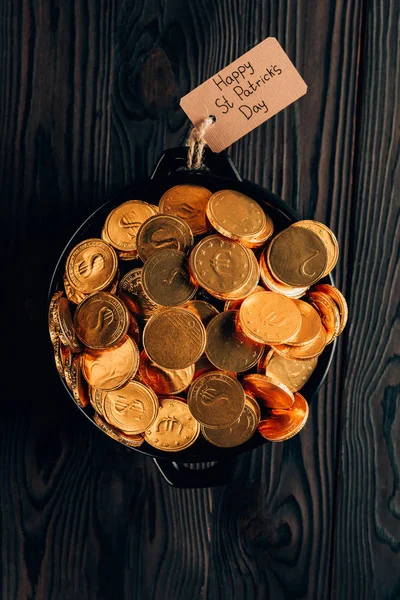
(243, 89)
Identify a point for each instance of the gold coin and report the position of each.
(220, 265)
(174, 338)
(111, 369)
(64, 324)
(91, 266)
(227, 347)
(131, 408)
(174, 429)
(166, 279)
(297, 257)
(328, 312)
(329, 239)
(132, 441)
(248, 288)
(270, 392)
(216, 399)
(101, 321)
(235, 215)
(161, 380)
(96, 398)
(79, 386)
(310, 325)
(130, 290)
(67, 365)
(236, 434)
(282, 424)
(128, 255)
(311, 350)
(163, 232)
(276, 286)
(339, 300)
(250, 399)
(267, 317)
(57, 356)
(72, 294)
(122, 224)
(292, 373)
(203, 310)
(236, 304)
(51, 318)
(189, 203)
(260, 239)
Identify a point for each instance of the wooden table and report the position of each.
(89, 98)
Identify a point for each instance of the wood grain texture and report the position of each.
(89, 99)
(368, 520)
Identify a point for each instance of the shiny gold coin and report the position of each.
(174, 429)
(57, 356)
(220, 265)
(131, 408)
(163, 232)
(227, 347)
(132, 441)
(189, 203)
(130, 290)
(236, 304)
(216, 399)
(203, 310)
(250, 399)
(96, 398)
(261, 238)
(122, 224)
(128, 255)
(282, 424)
(166, 279)
(64, 324)
(248, 288)
(329, 239)
(311, 350)
(91, 266)
(161, 380)
(276, 286)
(339, 300)
(270, 392)
(79, 386)
(236, 434)
(328, 312)
(310, 325)
(235, 215)
(72, 294)
(297, 257)
(67, 364)
(101, 321)
(174, 338)
(267, 317)
(51, 317)
(111, 369)
(292, 373)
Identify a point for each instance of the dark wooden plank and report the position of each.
(89, 99)
(367, 557)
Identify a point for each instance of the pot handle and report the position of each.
(174, 160)
(179, 476)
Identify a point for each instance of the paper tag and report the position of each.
(245, 94)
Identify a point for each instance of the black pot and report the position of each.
(219, 173)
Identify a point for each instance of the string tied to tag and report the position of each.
(196, 143)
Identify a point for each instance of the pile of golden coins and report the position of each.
(204, 333)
